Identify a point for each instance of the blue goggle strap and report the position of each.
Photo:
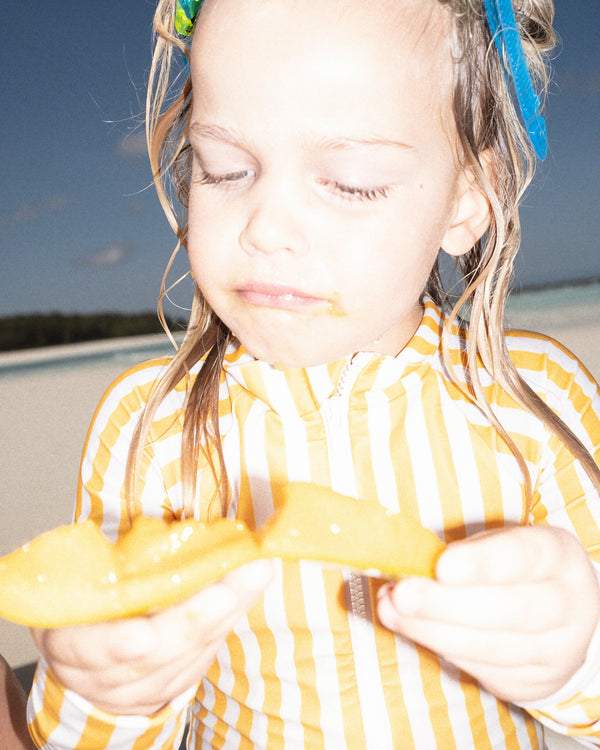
(504, 31)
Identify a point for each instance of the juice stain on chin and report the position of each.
(334, 308)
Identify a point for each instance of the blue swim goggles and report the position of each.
(504, 31)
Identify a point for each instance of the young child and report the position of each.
(324, 152)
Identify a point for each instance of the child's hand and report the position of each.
(515, 608)
(138, 665)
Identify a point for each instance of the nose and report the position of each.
(274, 221)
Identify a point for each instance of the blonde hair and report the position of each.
(492, 141)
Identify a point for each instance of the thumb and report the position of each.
(505, 556)
(249, 581)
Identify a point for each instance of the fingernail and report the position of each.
(384, 591)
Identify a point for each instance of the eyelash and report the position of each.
(221, 179)
(352, 192)
(344, 192)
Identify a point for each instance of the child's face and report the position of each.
(324, 178)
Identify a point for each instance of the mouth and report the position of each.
(279, 296)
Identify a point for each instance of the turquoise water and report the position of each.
(71, 357)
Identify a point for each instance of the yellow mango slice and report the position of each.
(315, 523)
(73, 575)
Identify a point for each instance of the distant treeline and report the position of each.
(27, 331)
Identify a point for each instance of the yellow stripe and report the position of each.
(99, 730)
(475, 710)
(47, 720)
(310, 706)
(338, 621)
(438, 707)
(392, 688)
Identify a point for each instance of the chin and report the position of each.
(283, 357)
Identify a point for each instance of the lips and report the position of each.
(277, 296)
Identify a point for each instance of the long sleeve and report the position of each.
(564, 496)
(61, 720)
(575, 709)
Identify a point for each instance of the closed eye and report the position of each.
(354, 192)
(206, 178)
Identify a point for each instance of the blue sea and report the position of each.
(556, 306)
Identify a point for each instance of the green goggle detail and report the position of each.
(185, 16)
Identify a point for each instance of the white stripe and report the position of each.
(458, 715)
(378, 415)
(327, 684)
(256, 463)
(463, 458)
(232, 709)
(511, 485)
(417, 708)
(492, 718)
(375, 717)
(419, 446)
(285, 667)
(521, 728)
(296, 447)
(256, 692)
(208, 703)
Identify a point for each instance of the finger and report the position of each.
(459, 643)
(206, 617)
(217, 606)
(507, 555)
(251, 579)
(93, 646)
(520, 607)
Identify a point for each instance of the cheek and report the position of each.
(394, 254)
(209, 238)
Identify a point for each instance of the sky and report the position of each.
(80, 227)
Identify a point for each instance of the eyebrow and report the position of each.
(341, 143)
(216, 132)
(228, 135)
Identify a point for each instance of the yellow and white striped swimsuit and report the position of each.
(308, 667)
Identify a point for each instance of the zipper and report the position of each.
(356, 586)
(343, 480)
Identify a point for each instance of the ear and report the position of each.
(472, 214)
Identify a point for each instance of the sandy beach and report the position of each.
(46, 411)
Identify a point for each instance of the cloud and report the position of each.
(132, 145)
(113, 255)
(26, 213)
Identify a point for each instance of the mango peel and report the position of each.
(74, 575)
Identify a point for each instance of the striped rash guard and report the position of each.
(309, 666)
